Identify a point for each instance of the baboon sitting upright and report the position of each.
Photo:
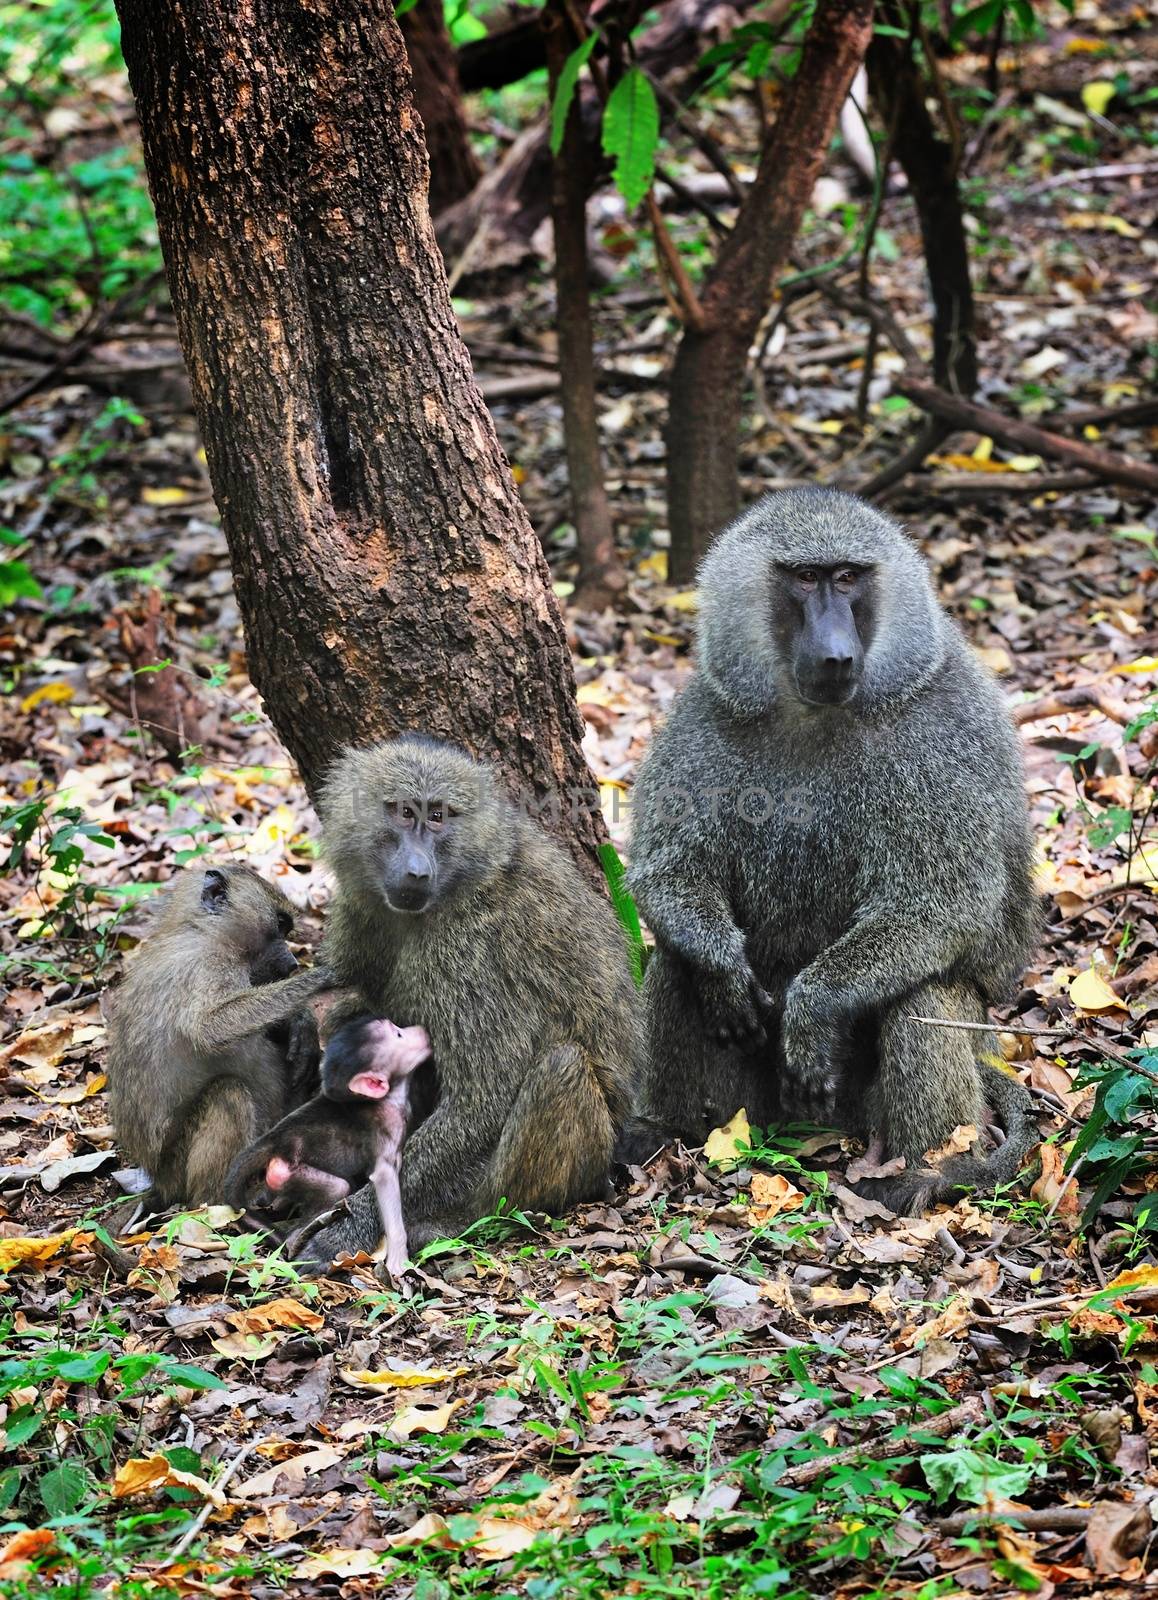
(210, 1041)
(829, 836)
(457, 913)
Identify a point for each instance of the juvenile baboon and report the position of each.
(829, 836)
(209, 1041)
(350, 1134)
(455, 911)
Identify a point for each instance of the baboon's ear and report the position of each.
(214, 890)
(371, 1085)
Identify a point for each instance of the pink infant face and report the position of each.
(396, 1053)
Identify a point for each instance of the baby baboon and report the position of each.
(350, 1134)
(455, 911)
(830, 835)
(209, 1042)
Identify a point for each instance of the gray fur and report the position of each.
(517, 971)
(892, 873)
(194, 1075)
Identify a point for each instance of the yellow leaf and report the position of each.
(1089, 992)
(282, 1313)
(1135, 1280)
(995, 656)
(55, 694)
(654, 566)
(562, 589)
(1090, 432)
(983, 449)
(1023, 463)
(430, 1529)
(662, 638)
(684, 600)
(1102, 221)
(499, 1538)
(358, 1562)
(1142, 664)
(721, 1145)
(1096, 96)
(165, 497)
(38, 1251)
(1079, 47)
(519, 474)
(278, 827)
(401, 1378)
(595, 694)
(424, 1419)
(144, 1473)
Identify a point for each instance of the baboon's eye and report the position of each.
(434, 815)
(406, 813)
(285, 924)
(806, 577)
(845, 579)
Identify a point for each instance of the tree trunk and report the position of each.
(930, 164)
(708, 379)
(600, 575)
(454, 168)
(387, 574)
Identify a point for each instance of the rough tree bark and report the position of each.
(600, 575)
(708, 379)
(454, 169)
(387, 575)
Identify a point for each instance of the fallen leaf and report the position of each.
(53, 694)
(356, 1563)
(429, 1529)
(1096, 96)
(282, 1313)
(771, 1194)
(1091, 993)
(1101, 222)
(722, 1144)
(423, 1419)
(39, 1250)
(1052, 1182)
(287, 1477)
(141, 1474)
(402, 1377)
(19, 1552)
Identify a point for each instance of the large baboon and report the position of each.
(830, 836)
(209, 1039)
(456, 912)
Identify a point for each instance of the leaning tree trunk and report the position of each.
(387, 575)
(454, 168)
(708, 379)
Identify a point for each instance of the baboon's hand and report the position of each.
(814, 1041)
(734, 1006)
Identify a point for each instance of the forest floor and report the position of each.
(736, 1378)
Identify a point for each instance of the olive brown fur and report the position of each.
(514, 965)
(210, 1041)
(816, 873)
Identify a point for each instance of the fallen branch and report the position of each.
(990, 485)
(972, 1412)
(1050, 1519)
(1066, 700)
(961, 413)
